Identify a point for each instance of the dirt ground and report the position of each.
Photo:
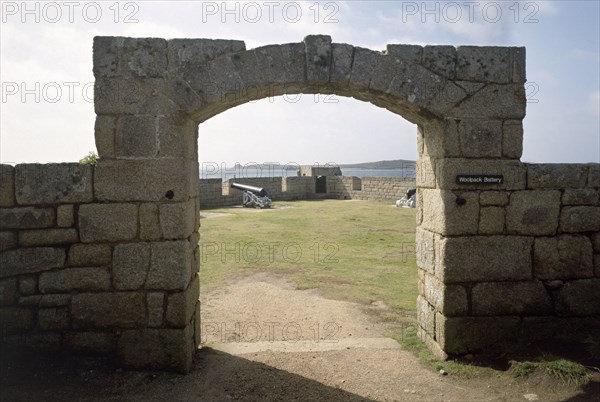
(263, 340)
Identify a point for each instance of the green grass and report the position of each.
(408, 338)
(523, 369)
(566, 371)
(360, 251)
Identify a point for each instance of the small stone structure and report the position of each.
(106, 259)
(308, 170)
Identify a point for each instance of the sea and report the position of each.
(257, 171)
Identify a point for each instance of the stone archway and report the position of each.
(467, 102)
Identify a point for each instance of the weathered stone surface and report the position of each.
(136, 136)
(7, 185)
(519, 73)
(156, 311)
(484, 64)
(14, 320)
(69, 279)
(514, 173)
(460, 335)
(450, 300)
(318, 57)
(27, 218)
(493, 101)
(131, 262)
(101, 342)
(104, 133)
(425, 250)
(45, 341)
(8, 240)
(181, 306)
(491, 220)
(341, 63)
(143, 57)
(64, 216)
(157, 348)
(425, 173)
(505, 298)
(29, 260)
(563, 257)
(412, 53)
(53, 183)
(578, 297)
(177, 220)
(186, 53)
(419, 208)
(580, 219)
(595, 237)
(178, 137)
(489, 258)
(27, 285)
(8, 291)
(364, 64)
(440, 59)
(425, 315)
(597, 265)
(557, 176)
(582, 196)
(149, 222)
(458, 219)
(512, 139)
(196, 326)
(30, 300)
(89, 255)
(533, 212)
(55, 300)
(470, 86)
(101, 310)
(145, 180)
(52, 319)
(480, 138)
(170, 266)
(439, 140)
(282, 66)
(432, 345)
(594, 176)
(553, 327)
(47, 237)
(106, 51)
(107, 222)
(132, 95)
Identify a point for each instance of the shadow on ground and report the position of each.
(216, 376)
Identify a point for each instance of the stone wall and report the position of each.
(369, 188)
(532, 270)
(215, 193)
(106, 259)
(80, 273)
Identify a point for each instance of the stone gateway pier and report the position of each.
(105, 258)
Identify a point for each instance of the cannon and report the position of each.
(253, 196)
(409, 200)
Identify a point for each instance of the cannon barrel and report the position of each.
(261, 192)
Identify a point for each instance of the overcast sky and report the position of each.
(47, 112)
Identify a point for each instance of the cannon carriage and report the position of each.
(253, 197)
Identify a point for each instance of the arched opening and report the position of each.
(361, 253)
(321, 275)
(468, 116)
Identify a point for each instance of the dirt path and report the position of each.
(263, 319)
(266, 341)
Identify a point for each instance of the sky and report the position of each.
(47, 112)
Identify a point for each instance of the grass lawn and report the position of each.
(360, 251)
